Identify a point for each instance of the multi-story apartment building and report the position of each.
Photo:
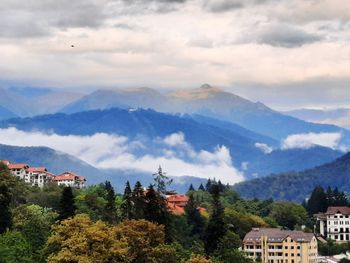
(70, 179)
(272, 245)
(335, 223)
(40, 176)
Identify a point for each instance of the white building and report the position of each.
(335, 223)
(19, 170)
(70, 179)
(38, 176)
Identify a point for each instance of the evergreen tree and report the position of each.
(110, 207)
(161, 181)
(191, 188)
(216, 228)
(194, 218)
(208, 185)
(317, 201)
(155, 207)
(221, 186)
(66, 207)
(201, 188)
(340, 198)
(5, 212)
(138, 198)
(330, 197)
(127, 207)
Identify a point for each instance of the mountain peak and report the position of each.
(206, 86)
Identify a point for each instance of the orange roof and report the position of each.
(18, 166)
(175, 209)
(69, 176)
(6, 162)
(65, 177)
(177, 198)
(37, 170)
(50, 174)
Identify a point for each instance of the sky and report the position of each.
(285, 53)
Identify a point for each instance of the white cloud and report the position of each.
(309, 140)
(264, 147)
(118, 152)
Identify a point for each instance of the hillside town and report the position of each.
(40, 176)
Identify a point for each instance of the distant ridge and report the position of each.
(298, 186)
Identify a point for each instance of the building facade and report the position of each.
(272, 245)
(335, 223)
(40, 176)
(70, 179)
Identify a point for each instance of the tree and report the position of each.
(14, 248)
(5, 214)
(198, 259)
(161, 181)
(317, 201)
(201, 188)
(216, 228)
(155, 207)
(67, 207)
(288, 215)
(191, 188)
(208, 185)
(144, 239)
(110, 208)
(194, 218)
(138, 198)
(127, 207)
(81, 240)
(34, 223)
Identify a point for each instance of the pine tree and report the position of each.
(138, 198)
(201, 188)
(161, 181)
(127, 207)
(110, 207)
(5, 212)
(330, 197)
(194, 218)
(208, 185)
(191, 188)
(66, 206)
(216, 228)
(317, 201)
(156, 208)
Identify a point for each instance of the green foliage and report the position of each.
(317, 201)
(216, 228)
(161, 181)
(110, 213)
(138, 199)
(289, 215)
(5, 201)
(67, 206)
(331, 248)
(127, 206)
(14, 248)
(34, 222)
(194, 218)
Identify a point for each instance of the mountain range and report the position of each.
(202, 133)
(298, 186)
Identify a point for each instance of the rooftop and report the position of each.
(277, 235)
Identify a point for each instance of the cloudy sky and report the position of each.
(286, 53)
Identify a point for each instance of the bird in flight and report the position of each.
(72, 45)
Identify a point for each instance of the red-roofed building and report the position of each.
(37, 176)
(19, 170)
(5, 162)
(70, 179)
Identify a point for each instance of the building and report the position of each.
(38, 176)
(335, 223)
(273, 245)
(177, 203)
(19, 170)
(70, 179)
